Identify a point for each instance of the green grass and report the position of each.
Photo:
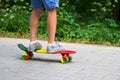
(5, 34)
(41, 37)
(105, 32)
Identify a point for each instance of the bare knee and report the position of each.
(36, 12)
(51, 11)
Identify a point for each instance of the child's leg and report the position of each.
(34, 19)
(51, 23)
(37, 6)
(50, 6)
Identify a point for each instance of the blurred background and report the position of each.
(79, 21)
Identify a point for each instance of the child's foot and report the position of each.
(35, 46)
(55, 47)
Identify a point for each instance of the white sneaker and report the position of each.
(35, 46)
(55, 47)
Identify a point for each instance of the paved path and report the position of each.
(92, 62)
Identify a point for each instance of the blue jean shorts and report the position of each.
(47, 4)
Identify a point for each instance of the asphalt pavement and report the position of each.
(91, 62)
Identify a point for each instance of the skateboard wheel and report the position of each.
(61, 60)
(64, 60)
(24, 56)
(70, 58)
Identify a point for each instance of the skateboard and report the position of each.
(66, 57)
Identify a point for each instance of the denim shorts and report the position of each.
(47, 4)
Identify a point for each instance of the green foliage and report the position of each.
(92, 21)
(111, 23)
(5, 4)
(14, 15)
(14, 20)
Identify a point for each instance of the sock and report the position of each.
(32, 42)
(51, 44)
